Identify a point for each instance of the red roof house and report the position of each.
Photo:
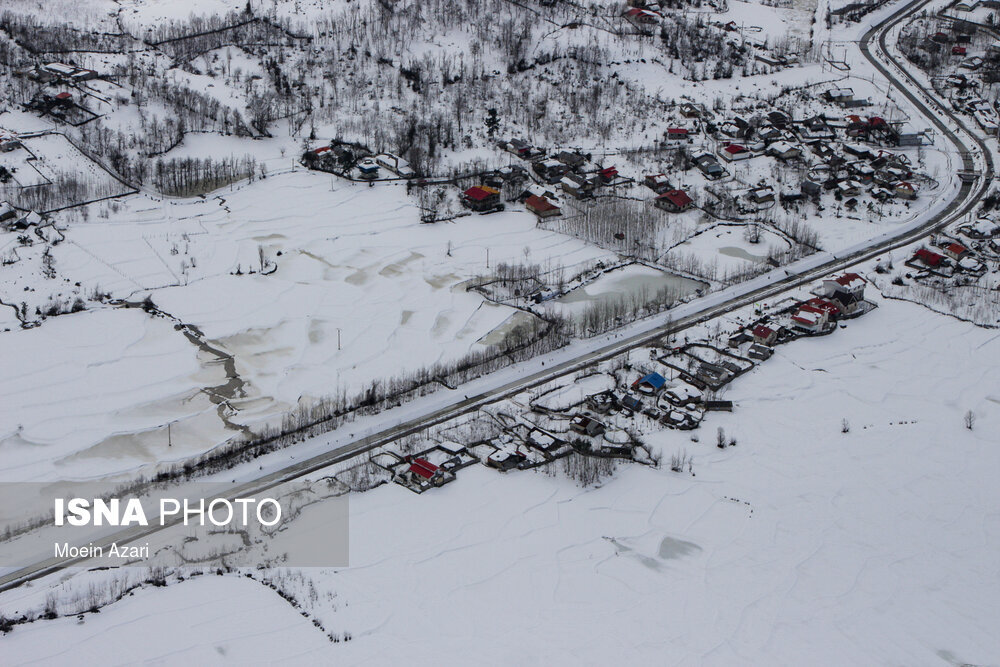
(830, 308)
(764, 335)
(956, 251)
(906, 190)
(658, 182)
(480, 192)
(676, 134)
(639, 15)
(541, 206)
(608, 174)
(423, 468)
(928, 257)
(958, 50)
(810, 318)
(735, 152)
(674, 201)
(481, 197)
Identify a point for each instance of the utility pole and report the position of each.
(170, 442)
(338, 339)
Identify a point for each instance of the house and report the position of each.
(585, 425)
(811, 319)
(7, 212)
(9, 142)
(739, 338)
(576, 185)
(422, 471)
(975, 62)
(27, 220)
(759, 352)
(674, 201)
(761, 195)
(881, 194)
(790, 193)
(63, 99)
(857, 150)
(778, 118)
(658, 183)
(395, 164)
(551, 170)
(713, 374)
(849, 284)
(928, 257)
(863, 171)
(734, 152)
(718, 406)
(966, 5)
(769, 134)
(368, 168)
(677, 135)
(650, 384)
(573, 160)
(504, 459)
(849, 188)
(640, 16)
(708, 165)
(956, 251)
(958, 51)
(764, 335)
(957, 80)
(838, 95)
(811, 188)
(905, 190)
(481, 198)
(608, 174)
(633, 403)
(817, 128)
(64, 72)
(542, 440)
(537, 190)
(519, 148)
(541, 207)
(691, 110)
(830, 308)
(783, 150)
(683, 393)
(735, 128)
(601, 403)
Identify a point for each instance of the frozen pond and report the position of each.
(740, 253)
(635, 280)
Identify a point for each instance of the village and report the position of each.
(602, 413)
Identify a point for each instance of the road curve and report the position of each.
(967, 198)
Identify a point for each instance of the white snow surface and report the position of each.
(800, 545)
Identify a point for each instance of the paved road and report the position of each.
(966, 200)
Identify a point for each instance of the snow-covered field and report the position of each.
(159, 626)
(800, 545)
(361, 290)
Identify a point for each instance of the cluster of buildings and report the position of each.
(341, 158)
(14, 219)
(837, 298)
(60, 73)
(947, 256)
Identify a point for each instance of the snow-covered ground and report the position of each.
(362, 290)
(800, 545)
(159, 626)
